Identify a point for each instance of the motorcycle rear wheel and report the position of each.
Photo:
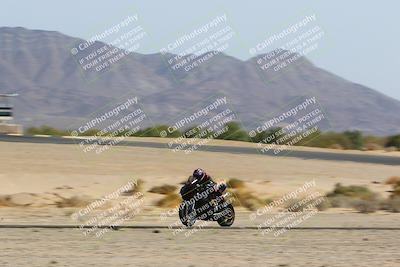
(184, 212)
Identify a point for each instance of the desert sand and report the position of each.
(66, 169)
(36, 176)
(64, 247)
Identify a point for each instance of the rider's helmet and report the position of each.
(199, 174)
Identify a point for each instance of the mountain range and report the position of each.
(54, 90)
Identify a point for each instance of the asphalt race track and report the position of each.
(70, 226)
(386, 160)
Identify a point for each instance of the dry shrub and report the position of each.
(5, 201)
(366, 206)
(235, 183)
(395, 191)
(23, 199)
(244, 198)
(364, 200)
(294, 205)
(373, 146)
(163, 189)
(336, 146)
(323, 204)
(393, 180)
(391, 149)
(352, 191)
(340, 201)
(75, 201)
(171, 200)
(63, 187)
(268, 201)
(393, 204)
(301, 204)
(354, 196)
(138, 188)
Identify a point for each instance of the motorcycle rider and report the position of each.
(204, 200)
(201, 179)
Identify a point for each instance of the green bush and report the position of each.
(345, 140)
(369, 139)
(234, 132)
(330, 139)
(91, 132)
(45, 130)
(156, 130)
(304, 141)
(393, 141)
(191, 132)
(356, 139)
(268, 137)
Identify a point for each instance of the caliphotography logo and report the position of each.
(111, 126)
(109, 46)
(198, 46)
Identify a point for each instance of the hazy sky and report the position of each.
(360, 43)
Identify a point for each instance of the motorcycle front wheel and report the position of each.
(228, 216)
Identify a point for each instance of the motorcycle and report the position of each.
(204, 202)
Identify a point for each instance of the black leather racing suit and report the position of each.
(189, 190)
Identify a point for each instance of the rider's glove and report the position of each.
(221, 188)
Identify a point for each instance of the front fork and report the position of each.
(219, 203)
